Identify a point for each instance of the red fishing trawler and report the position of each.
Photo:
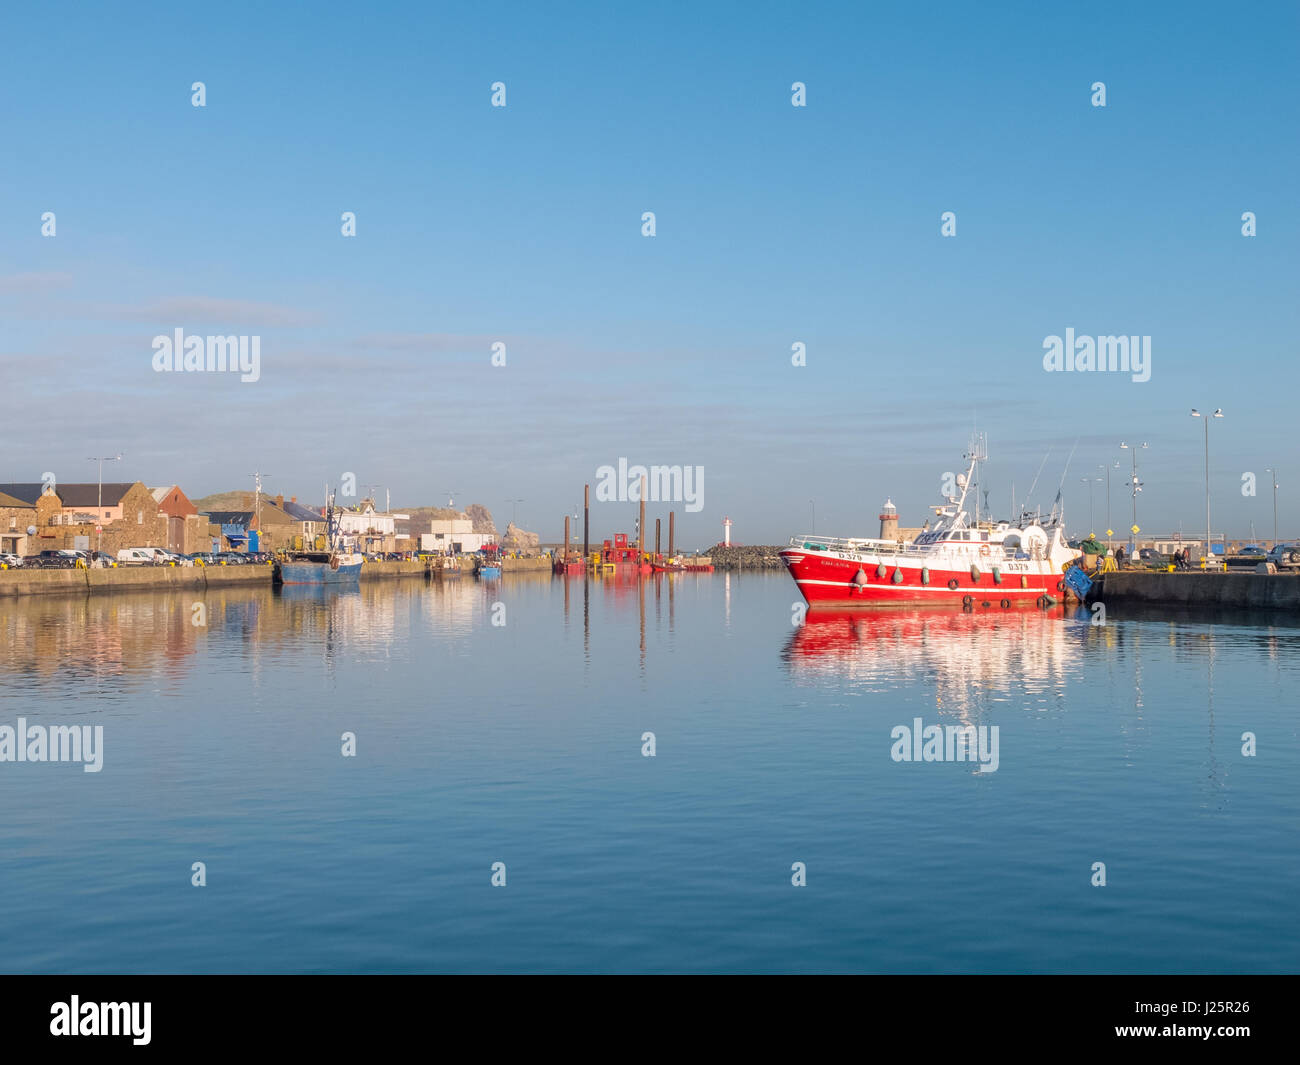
(955, 560)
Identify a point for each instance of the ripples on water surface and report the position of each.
(522, 744)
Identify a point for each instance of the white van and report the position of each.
(138, 556)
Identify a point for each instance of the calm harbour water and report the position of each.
(522, 743)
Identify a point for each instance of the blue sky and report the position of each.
(775, 224)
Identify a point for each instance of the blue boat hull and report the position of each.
(489, 571)
(317, 573)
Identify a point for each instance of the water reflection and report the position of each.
(967, 657)
(1029, 657)
(97, 640)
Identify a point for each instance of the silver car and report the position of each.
(1285, 555)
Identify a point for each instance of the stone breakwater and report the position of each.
(759, 557)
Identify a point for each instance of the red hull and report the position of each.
(825, 579)
(623, 569)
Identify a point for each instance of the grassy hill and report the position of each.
(225, 501)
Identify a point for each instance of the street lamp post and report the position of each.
(1272, 476)
(1109, 527)
(99, 498)
(812, 507)
(1136, 485)
(1218, 413)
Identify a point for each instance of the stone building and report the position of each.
(186, 531)
(264, 528)
(106, 517)
(309, 529)
(16, 517)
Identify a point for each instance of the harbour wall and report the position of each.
(758, 557)
(526, 565)
(388, 569)
(15, 582)
(1248, 591)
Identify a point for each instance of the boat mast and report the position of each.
(329, 520)
(979, 452)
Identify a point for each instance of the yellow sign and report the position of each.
(1134, 529)
(1110, 532)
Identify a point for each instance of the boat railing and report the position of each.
(854, 544)
(891, 548)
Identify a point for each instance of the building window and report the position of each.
(139, 517)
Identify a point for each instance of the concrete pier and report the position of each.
(16, 582)
(1247, 591)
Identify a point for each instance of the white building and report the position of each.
(368, 530)
(454, 536)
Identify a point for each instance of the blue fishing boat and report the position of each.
(487, 563)
(318, 567)
(334, 565)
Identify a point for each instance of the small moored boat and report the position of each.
(333, 565)
(487, 563)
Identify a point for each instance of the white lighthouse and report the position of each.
(726, 532)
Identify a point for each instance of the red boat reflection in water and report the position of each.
(961, 653)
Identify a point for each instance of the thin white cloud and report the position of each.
(200, 310)
(33, 282)
(430, 342)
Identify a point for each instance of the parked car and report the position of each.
(138, 556)
(60, 559)
(1284, 555)
(232, 558)
(10, 561)
(1252, 551)
(101, 560)
(1150, 554)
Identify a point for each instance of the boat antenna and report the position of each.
(1064, 473)
(1037, 475)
